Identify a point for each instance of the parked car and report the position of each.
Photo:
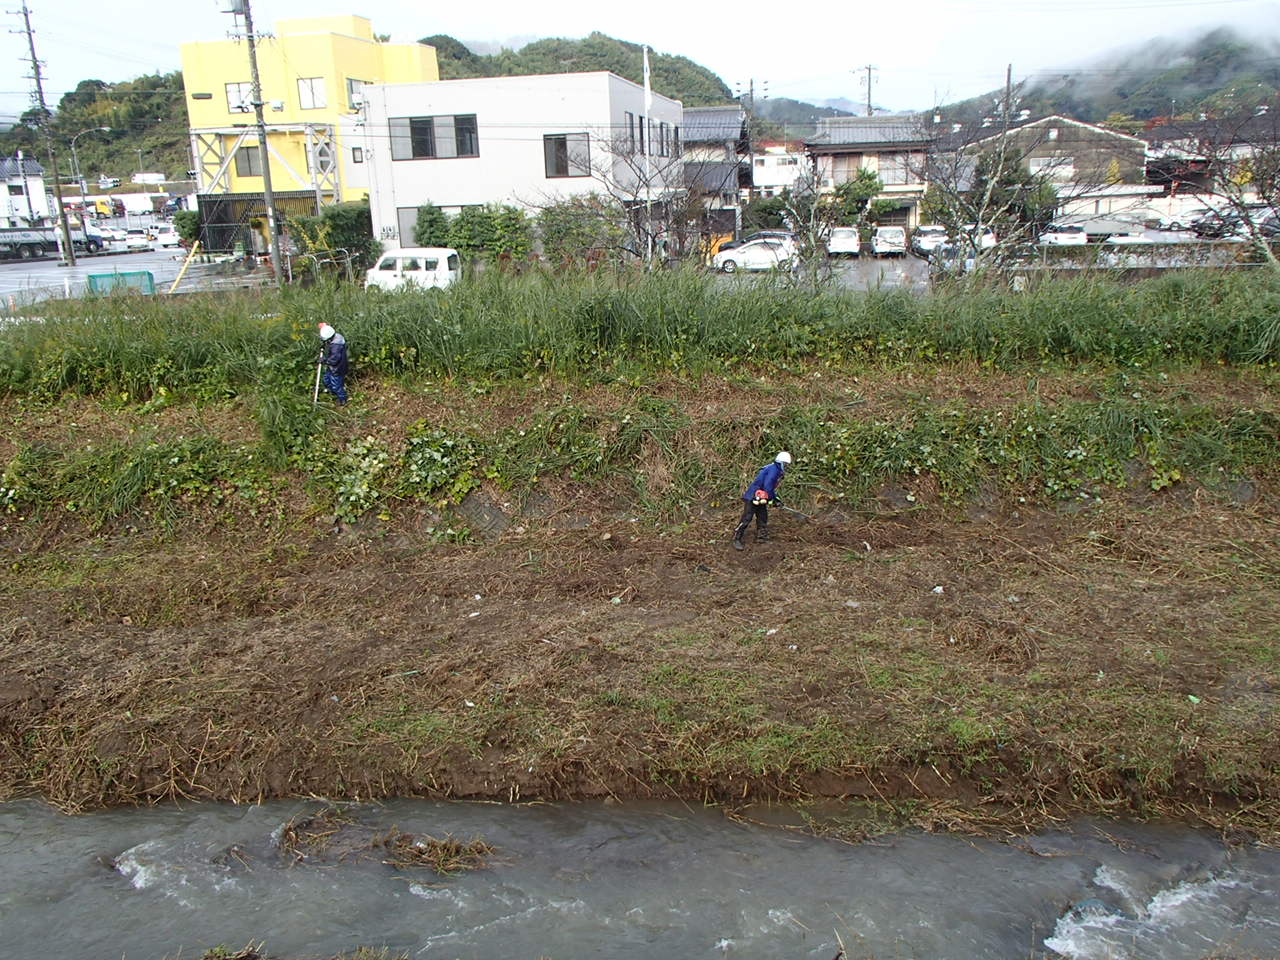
(844, 241)
(889, 242)
(768, 254)
(421, 266)
(1215, 226)
(927, 238)
(786, 237)
(1176, 223)
(165, 235)
(980, 240)
(136, 238)
(1064, 235)
(108, 232)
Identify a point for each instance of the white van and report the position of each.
(844, 241)
(424, 266)
(889, 241)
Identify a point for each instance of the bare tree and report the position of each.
(997, 183)
(645, 187)
(1233, 162)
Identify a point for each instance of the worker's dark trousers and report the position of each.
(761, 514)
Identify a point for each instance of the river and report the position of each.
(631, 881)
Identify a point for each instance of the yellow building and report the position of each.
(311, 71)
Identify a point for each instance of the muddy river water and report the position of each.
(642, 881)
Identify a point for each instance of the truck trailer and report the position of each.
(29, 242)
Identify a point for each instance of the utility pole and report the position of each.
(1008, 93)
(68, 248)
(273, 234)
(869, 67)
(751, 147)
(749, 101)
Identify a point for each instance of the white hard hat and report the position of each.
(326, 331)
(783, 457)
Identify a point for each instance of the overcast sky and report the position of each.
(925, 51)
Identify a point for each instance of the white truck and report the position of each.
(30, 242)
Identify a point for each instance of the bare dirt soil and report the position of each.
(994, 665)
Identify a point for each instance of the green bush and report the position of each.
(432, 227)
(472, 232)
(187, 223)
(582, 227)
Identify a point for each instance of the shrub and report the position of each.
(581, 228)
(187, 223)
(432, 227)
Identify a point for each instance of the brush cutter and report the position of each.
(315, 395)
(796, 512)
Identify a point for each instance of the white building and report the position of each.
(776, 168)
(25, 200)
(525, 141)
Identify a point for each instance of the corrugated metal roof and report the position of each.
(908, 128)
(13, 167)
(714, 177)
(712, 124)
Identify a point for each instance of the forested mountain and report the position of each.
(795, 118)
(147, 114)
(1219, 71)
(672, 76)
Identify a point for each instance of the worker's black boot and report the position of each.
(738, 534)
(762, 532)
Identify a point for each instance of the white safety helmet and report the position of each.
(783, 457)
(326, 332)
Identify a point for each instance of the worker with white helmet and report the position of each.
(333, 356)
(758, 496)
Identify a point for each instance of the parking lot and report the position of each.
(28, 281)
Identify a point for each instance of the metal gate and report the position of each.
(224, 217)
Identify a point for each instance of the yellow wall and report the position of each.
(332, 48)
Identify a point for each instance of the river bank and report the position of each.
(1039, 578)
(985, 663)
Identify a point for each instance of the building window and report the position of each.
(311, 93)
(631, 132)
(1061, 169)
(664, 144)
(1053, 133)
(354, 87)
(567, 155)
(239, 97)
(468, 135)
(406, 221)
(640, 127)
(357, 154)
(422, 138)
(675, 140)
(249, 162)
(897, 169)
(15, 190)
(759, 161)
